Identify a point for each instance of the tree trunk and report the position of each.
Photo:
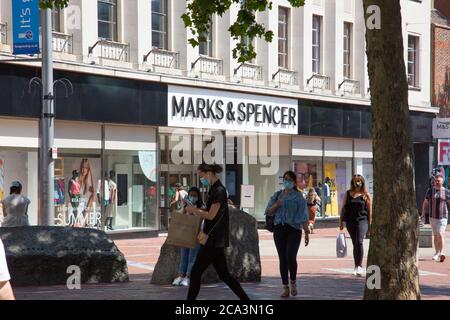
(394, 232)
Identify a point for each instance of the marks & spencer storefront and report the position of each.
(131, 141)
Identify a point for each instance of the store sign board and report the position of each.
(441, 128)
(25, 14)
(223, 110)
(444, 152)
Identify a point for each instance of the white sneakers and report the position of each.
(439, 257)
(180, 281)
(177, 281)
(359, 272)
(185, 282)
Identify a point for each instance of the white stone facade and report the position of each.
(181, 64)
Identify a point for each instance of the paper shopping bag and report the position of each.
(183, 230)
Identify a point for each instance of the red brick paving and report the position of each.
(315, 281)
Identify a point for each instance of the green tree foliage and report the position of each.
(49, 4)
(198, 20)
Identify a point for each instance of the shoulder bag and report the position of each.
(270, 218)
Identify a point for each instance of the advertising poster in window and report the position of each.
(306, 175)
(444, 152)
(332, 209)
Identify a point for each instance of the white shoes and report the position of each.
(436, 257)
(177, 281)
(180, 281)
(185, 282)
(359, 272)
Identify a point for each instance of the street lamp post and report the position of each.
(47, 125)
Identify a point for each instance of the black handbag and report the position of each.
(270, 219)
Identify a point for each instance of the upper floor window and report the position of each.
(205, 47)
(283, 37)
(413, 61)
(107, 19)
(159, 24)
(348, 50)
(316, 44)
(56, 20)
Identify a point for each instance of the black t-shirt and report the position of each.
(218, 229)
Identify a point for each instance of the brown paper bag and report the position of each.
(183, 230)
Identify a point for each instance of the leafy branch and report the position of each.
(198, 20)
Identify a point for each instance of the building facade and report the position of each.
(147, 107)
(441, 57)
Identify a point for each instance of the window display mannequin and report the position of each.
(15, 207)
(87, 198)
(103, 198)
(74, 195)
(112, 208)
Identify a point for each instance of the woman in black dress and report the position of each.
(215, 235)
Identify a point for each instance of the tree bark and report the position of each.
(394, 232)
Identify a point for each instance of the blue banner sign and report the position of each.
(25, 15)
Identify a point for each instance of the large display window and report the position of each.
(20, 165)
(111, 182)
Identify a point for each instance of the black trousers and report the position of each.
(216, 257)
(358, 232)
(287, 240)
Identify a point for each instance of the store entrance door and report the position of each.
(168, 180)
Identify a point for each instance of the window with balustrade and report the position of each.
(56, 20)
(316, 44)
(413, 61)
(283, 37)
(206, 47)
(107, 20)
(348, 50)
(159, 24)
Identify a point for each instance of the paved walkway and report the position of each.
(321, 275)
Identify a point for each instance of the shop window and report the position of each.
(20, 165)
(122, 197)
(338, 175)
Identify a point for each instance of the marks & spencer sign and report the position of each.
(224, 110)
(441, 128)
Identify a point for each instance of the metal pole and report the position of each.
(46, 163)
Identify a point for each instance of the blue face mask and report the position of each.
(193, 200)
(288, 184)
(204, 182)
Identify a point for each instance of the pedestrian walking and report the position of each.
(436, 203)
(313, 201)
(356, 212)
(15, 207)
(326, 195)
(290, 215)
(215, 235)
(6, 292)
(188, 255)
(180, 194)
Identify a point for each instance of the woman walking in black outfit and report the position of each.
(215, 235)
(357, 214)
